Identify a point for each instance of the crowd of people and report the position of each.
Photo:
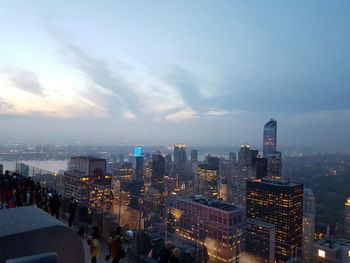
(17, 191)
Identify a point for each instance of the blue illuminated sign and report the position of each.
(137, 151)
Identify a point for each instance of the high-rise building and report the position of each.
(244, 155)
(279, 203)
(261, 167)
(329, 251)
(347, 218)
(232, 157)
(194, 155)
(274, 165)
(270, 137)
(87, 181)
(180, 160)
(260, 241)
(309, 213)
(158, 172)
(209, 222)
(138, 167)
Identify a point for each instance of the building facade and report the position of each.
(279, 203)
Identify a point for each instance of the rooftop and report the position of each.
(209, 202)
(333, 244)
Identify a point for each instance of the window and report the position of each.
(321, 253)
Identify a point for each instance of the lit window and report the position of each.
(321, 253)
(349, 253)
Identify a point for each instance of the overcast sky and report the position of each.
(162, 72)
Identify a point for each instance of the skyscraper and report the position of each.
(270, 137)
(158, 172)
(279, 203)
(194, 155)
(274, 165)
(309, 213)
(180, 160)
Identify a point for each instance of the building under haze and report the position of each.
(279, 203)
(309, 214)
(180, 161)
(274, 158)
(270, 137)
(158, 172)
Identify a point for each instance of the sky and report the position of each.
(163, 72)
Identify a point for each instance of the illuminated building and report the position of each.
(329, 251)
(347, 218)
(180, 160)
(206, 183)
(260, 241)
(209, 222)
(270, 137)
(309, 213)
(87, 181)
(279, 203)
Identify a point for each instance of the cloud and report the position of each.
(181, 115)
(216, 113)
(26, 80)
(15, 100)
(128, 115)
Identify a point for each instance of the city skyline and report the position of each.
(156, 73)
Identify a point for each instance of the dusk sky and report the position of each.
(163, 72)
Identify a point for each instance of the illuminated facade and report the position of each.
(309, 213)
(270, 137)
(279, 203)
(329, 251)
(347, 218)
(209, 222)
(206, 183)
(260, 241)
(87, 181)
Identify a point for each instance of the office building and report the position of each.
(158, 172)
(270, 137)
(232, 157)
(274, 165)
(309, 214)
(347, 218)
(261, 167)
(332, 251)
(279, 203)
(260, 241)
(180, 161)
(194, 156)
(209, 222)
(87, 181)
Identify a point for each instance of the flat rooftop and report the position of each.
(209, 202)
(277, 182)
(333, 244)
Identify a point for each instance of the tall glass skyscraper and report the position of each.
(270, 137)
(180, 160)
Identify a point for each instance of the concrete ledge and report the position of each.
(27, 231)
(40, 258)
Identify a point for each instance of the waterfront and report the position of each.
(49, 165)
